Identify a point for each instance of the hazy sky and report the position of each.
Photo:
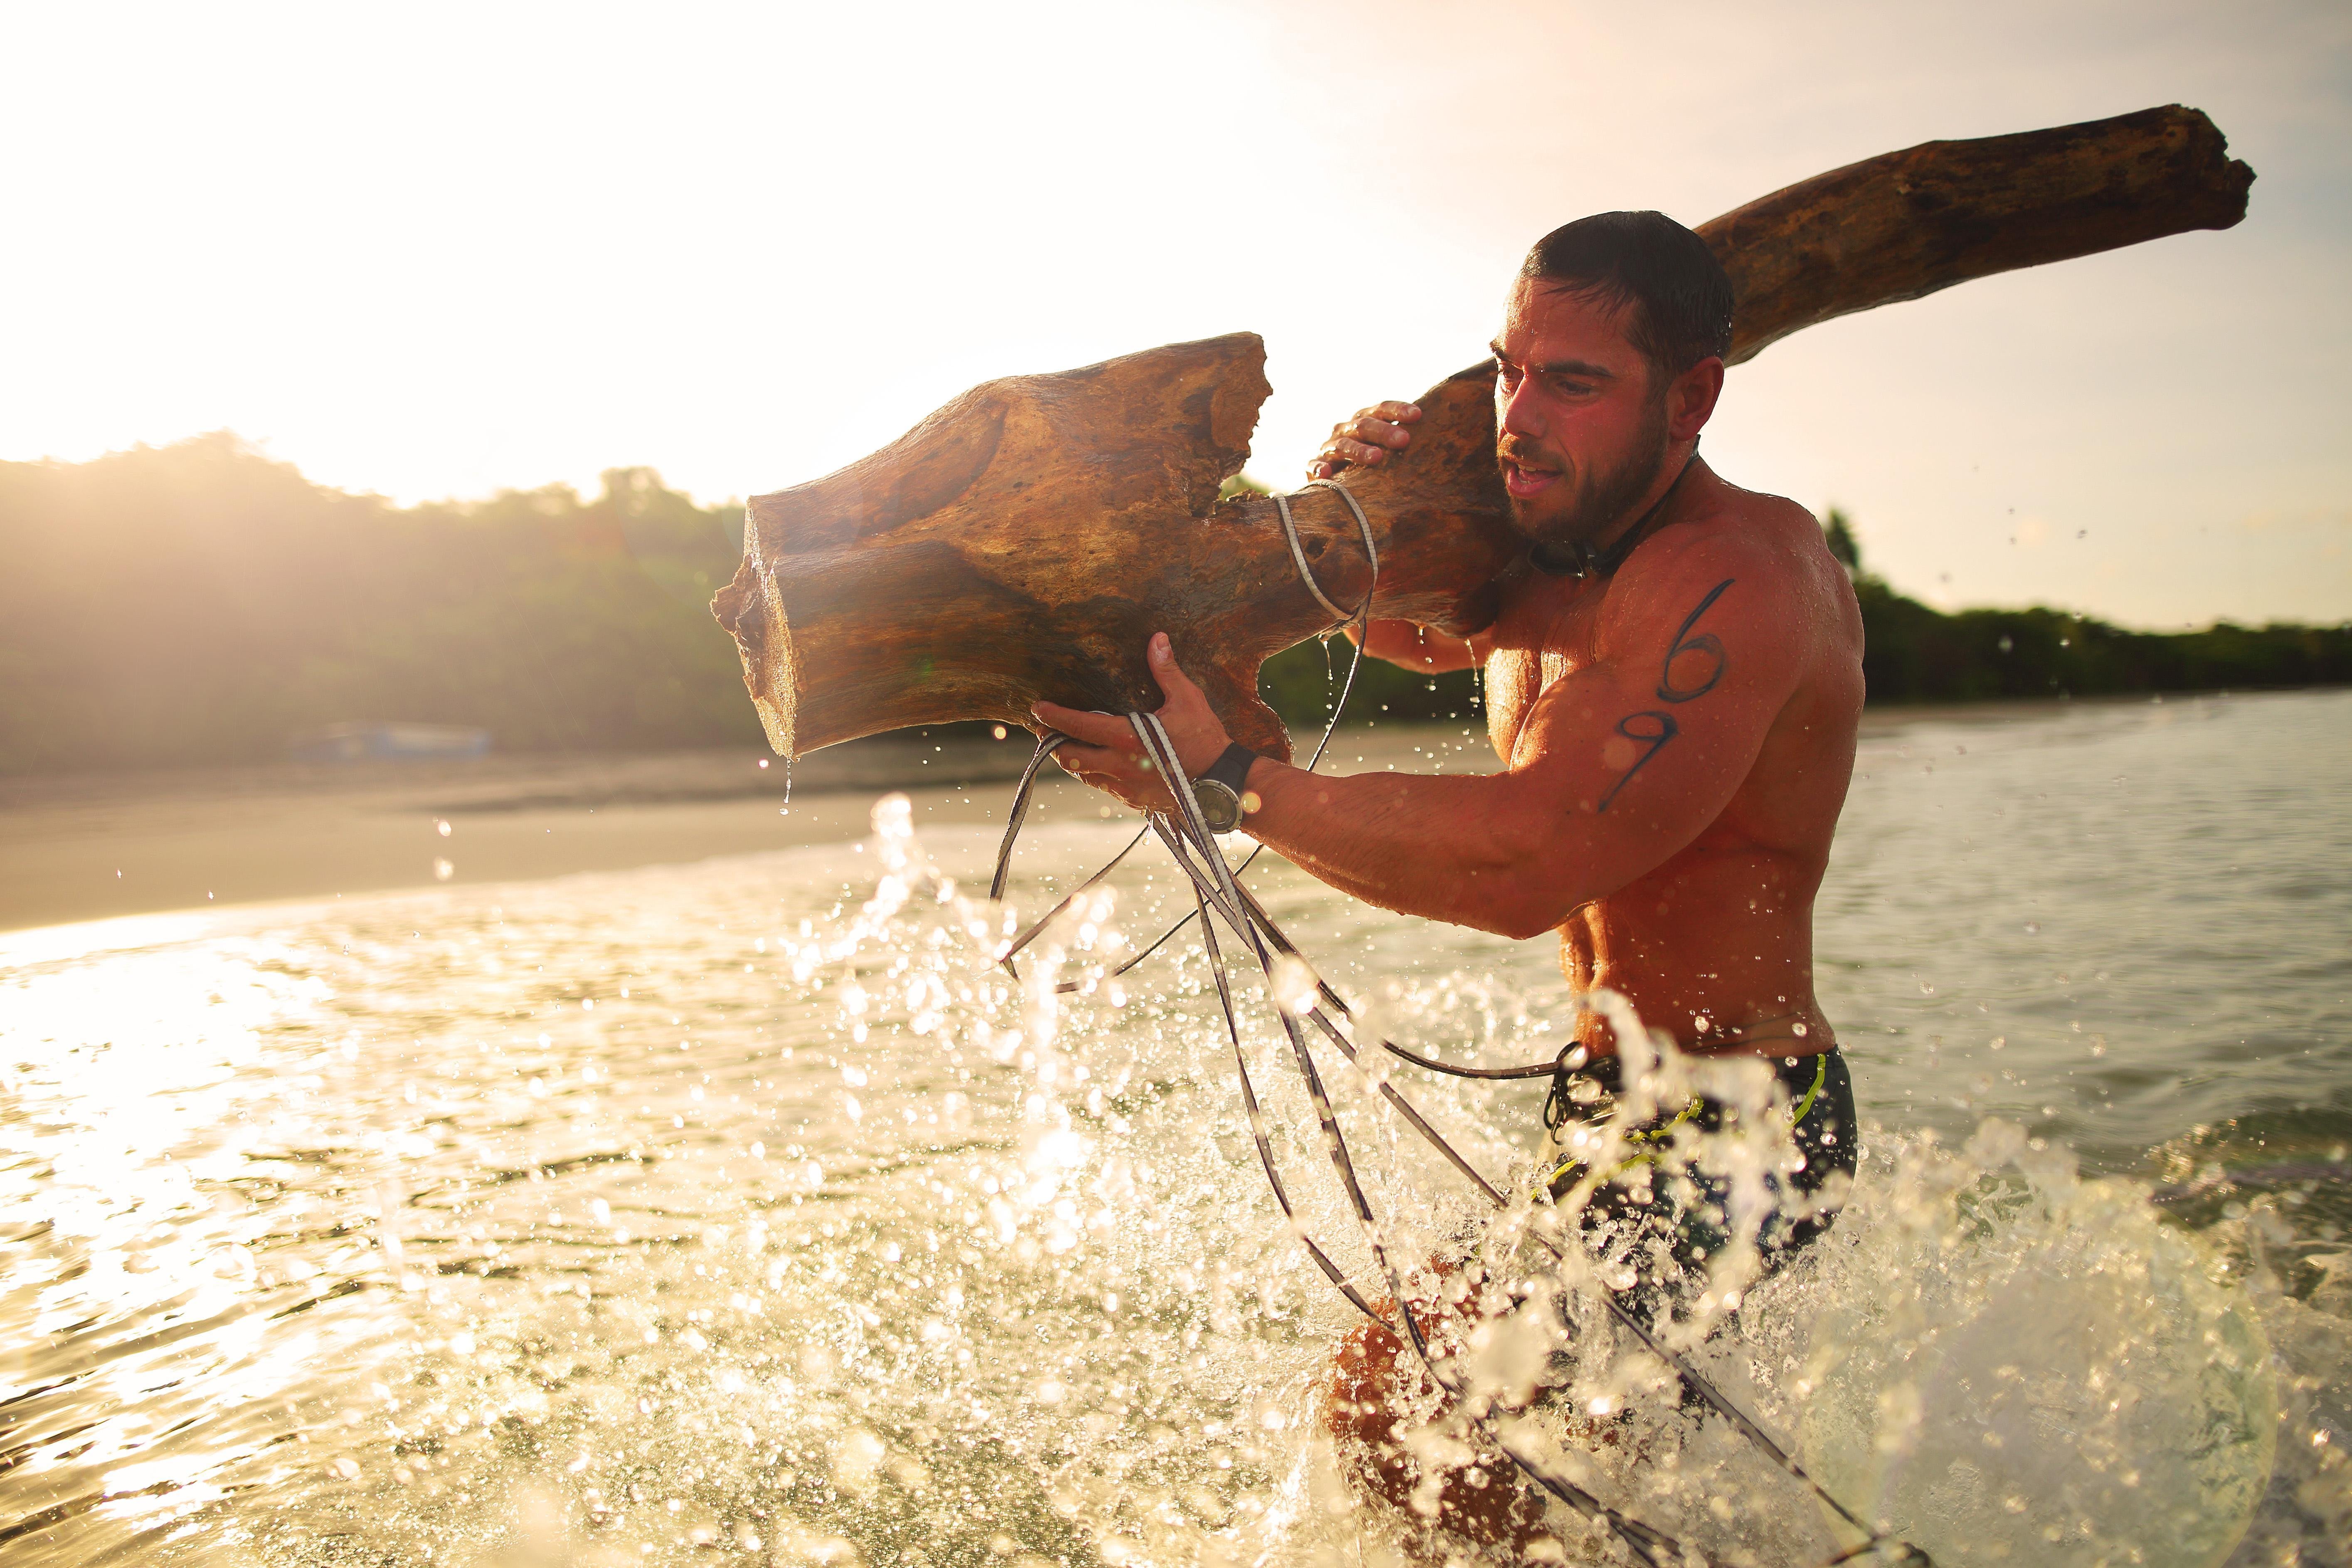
(441, 250)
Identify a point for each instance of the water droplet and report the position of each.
(1294, 989)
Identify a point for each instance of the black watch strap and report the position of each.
(1231, 767)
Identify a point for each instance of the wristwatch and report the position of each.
(1219, 787)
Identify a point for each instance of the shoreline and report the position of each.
(97, 846)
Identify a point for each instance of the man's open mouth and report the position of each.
(1525, 480)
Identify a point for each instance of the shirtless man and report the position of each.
(1673, 681)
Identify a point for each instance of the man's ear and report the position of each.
(1690, 402)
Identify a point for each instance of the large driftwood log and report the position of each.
(1023, 540)
(1908, 224)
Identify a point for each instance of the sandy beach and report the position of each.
(95, 847)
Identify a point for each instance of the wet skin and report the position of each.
(1679, 736)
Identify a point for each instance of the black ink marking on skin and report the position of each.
(1656, 726)
(1660, 729)
(1705, 644)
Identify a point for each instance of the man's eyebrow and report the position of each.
(1578, 367)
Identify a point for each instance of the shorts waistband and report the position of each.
(1804, 1078)
(1821, 1112)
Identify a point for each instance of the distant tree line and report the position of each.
(200, 603)
(1915, 654)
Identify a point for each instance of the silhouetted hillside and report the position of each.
(201, 602)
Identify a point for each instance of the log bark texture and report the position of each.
(1026, 539)
(1906, 224)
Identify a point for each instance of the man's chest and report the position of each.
(1546, 632)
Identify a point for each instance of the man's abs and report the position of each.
(1716, 948)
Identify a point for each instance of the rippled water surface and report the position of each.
(735, 1209)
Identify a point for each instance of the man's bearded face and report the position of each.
(1581, 412)
(1595, 488)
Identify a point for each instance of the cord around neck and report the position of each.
(1576, 558)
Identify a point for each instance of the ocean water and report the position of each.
(742, 1211)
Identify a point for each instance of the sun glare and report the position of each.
(444, 250)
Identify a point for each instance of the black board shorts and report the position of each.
(1667, 1230)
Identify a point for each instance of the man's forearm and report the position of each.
(1446, 849)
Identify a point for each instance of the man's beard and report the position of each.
(1599, 498)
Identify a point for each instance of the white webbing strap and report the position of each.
(1298, 555)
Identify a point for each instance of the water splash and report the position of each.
(820, 1239)
(2044, 1371)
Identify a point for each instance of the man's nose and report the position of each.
(1516, 412)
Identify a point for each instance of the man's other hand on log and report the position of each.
(1365, 441)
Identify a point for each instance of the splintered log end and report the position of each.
(1906, 224)
(763, 641)
(1004, 550)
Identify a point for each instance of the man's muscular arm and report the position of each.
(1416, 647)
(1619, 766)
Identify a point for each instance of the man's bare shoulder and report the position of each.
(1720, 531)
(1783, 543)
(1734, 569)
(1725, 522)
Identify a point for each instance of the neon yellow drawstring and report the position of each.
(1820, 1075)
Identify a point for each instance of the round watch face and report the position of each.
(1219, 804)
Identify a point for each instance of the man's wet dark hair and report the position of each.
(1680, 297)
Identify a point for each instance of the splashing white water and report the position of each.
(2008, 1364)
(820, 1239)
